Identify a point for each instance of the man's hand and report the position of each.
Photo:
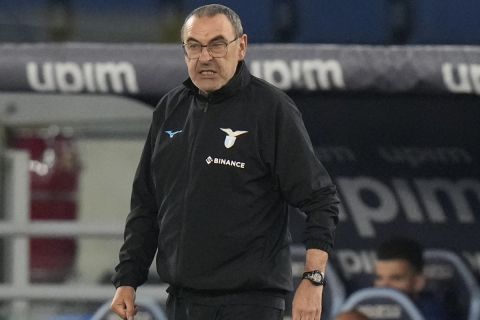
(307, 302)
(123, 303)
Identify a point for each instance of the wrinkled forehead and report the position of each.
(205, 28)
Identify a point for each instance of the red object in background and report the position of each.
(54, 174)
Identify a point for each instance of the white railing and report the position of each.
(16, 230)
(59, 228)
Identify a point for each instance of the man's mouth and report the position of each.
(207, 72)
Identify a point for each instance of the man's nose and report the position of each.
(205, 55)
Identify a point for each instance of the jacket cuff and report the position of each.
(318, 244)
(126, 276)
(124, 282)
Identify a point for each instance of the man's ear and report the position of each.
(243, 47)
(420, 283)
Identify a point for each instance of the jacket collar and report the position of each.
(238, 81)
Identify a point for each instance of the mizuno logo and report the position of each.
(231, 136)
(172, 133)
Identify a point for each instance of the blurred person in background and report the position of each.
(399, 265)
(225, 155)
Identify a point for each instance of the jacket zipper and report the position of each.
(197, 129)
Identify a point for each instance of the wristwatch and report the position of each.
(316, 277)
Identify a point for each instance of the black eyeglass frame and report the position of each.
(208, 50)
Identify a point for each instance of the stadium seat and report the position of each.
(451, 280)
(334, 292)
(343, 21)
(147, 310)
(446, 22)
(382, 304)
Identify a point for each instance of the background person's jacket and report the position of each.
(212, 188)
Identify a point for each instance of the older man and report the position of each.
(225, 155)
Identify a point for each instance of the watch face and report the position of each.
(317, 277)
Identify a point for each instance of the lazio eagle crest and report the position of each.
(231, 136)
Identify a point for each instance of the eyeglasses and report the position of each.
(216, 49)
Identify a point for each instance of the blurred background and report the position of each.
(379, 22)
(405, 160)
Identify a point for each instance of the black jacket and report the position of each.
(213, 185)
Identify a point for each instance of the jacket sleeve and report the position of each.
(302, 179)
(141, 229)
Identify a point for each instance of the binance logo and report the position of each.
(225, 162)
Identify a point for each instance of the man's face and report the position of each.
(398, 274)
(207, 73)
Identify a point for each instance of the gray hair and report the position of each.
(211, 10)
